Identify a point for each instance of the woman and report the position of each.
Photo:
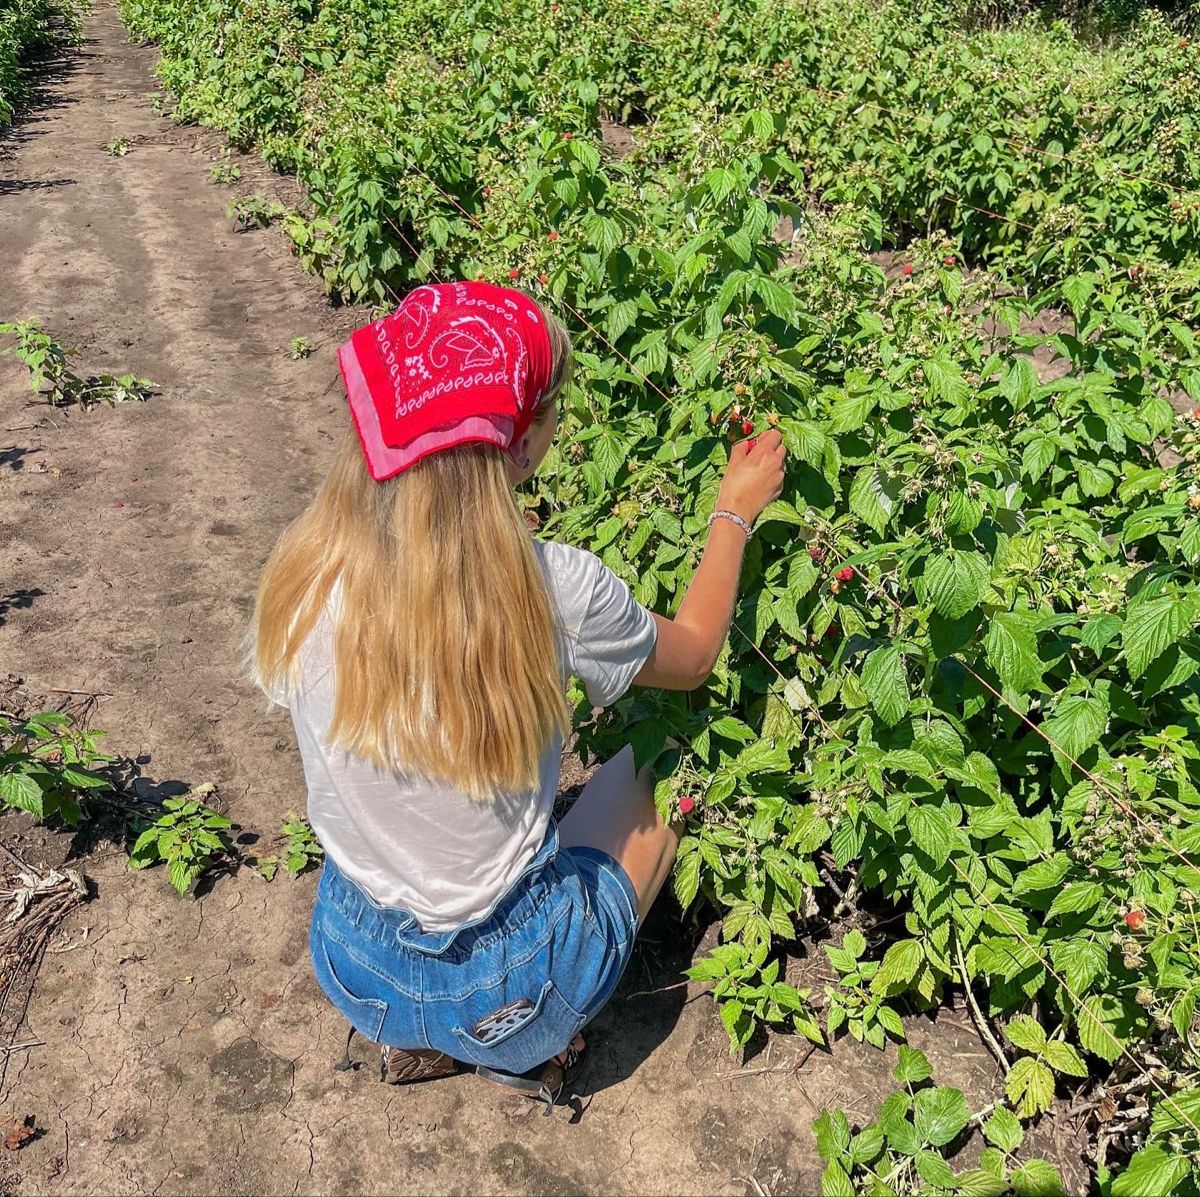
(421, 638)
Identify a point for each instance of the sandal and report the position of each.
(543, 1083)
(402, 1065)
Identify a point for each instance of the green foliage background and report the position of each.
(29, 28)
(992, 724)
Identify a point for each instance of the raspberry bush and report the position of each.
(958, 270)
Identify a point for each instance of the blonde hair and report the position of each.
(444, 644)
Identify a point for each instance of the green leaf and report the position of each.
(1102, 1026)
(687, 879)
(16, 789)
(1046, 874)
(1151, 627)
(779, 300)
(1030, 1087)
(835, 1182)
(886, 683)
(1011, 646)
(1062, 1057)
(940, 1115)
(1152, 1172)
(1026, 1033)
(867, 1144)
(1038, 457)
(1078, 897)
(1080, 961)
(931, 832)
(181, 874)
(934, 1170)
(978, 1183)
(1077, 724)
(912, 1067)
(832, 1129)
(1020, 383)
(893, 1118)
(873, 498)
(1003, 1130)
(957, 582)
(1037, 1178)
(900, 964)
(1099, 631)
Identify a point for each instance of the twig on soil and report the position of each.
(89, 693)
(20, 1047)
(981, 1023)
(661, 989)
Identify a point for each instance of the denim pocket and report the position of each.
(365, 1014)
(547, 1029)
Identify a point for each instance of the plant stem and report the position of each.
(981, 1023)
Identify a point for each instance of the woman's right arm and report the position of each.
(688, 645)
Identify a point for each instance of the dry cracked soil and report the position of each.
(186, 1047)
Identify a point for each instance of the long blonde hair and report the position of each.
(444, 643)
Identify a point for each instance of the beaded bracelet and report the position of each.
(731, 515)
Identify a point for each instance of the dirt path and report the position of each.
(187, 1048)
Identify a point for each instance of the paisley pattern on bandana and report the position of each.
(454, 363)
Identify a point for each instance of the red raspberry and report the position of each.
(486, 192)
(1135, 919)
(832, 631)
(815, 553)
(543, 279)
(906, 269)
(552, 237)
(845, 574)
(687, 805)
(568, 136)
(949, 259)
(118, 504)
(747, 427)
(514, 273)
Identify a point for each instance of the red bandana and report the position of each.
(454, 363)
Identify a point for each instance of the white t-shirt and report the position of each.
(425, 846)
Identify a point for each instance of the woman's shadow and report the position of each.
(648, 1002)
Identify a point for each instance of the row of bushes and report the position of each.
(29, 28)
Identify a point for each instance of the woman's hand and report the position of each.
(754, 476)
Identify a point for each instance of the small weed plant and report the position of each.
(49, 767)
(118, 147)
(299, 349)
(254, 212)
(225, 172)
(55, 770)
(301, 850)
(50, 374)
(189, 837)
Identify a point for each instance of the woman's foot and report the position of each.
(546, 1081)
(403, 1066)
